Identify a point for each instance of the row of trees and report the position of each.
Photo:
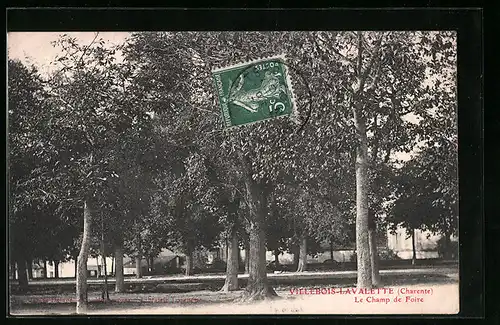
(127, 141)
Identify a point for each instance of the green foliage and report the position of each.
(427, 195)
(142, 138)
(447, 248)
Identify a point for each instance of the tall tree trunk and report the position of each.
(22, 275)
(413, 247)
(276, 257)
(331, 250)
(138, 257)
(56, 269)
(447, 246)
(240, 260)
(258, 287)
(13, 269)
(138, 267)
(45, 269)
(75, 258)
(98, 272)
(112, 273)
(247, 255)
(362, 237)
(152, 263)
(224, 250)
(189, 262)
(362, 181)
(374, 257)
(81, 276)
(231, 283)
(148, 264)
(105, 292)
(296, 255)
(302, 254)
(120, 283)
(29, 263)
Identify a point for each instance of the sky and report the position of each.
(36, 48)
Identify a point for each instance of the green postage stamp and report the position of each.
(254, 91)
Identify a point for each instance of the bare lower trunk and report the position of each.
(29, 263)
(247, 255)
(331, 250)
(226, 253)
(98, 272)
(56, 269)
(105, 292)
(189, 263)
(224, 250)
(22, 275)
(138, 257)
(302, 254)
(112, 273)
(447, 247)
(240, 259)
(296, 256)
(81, 276)
(413, 247)
(152, 264)
(231, 283)
(13, 269)
(76, 265)
(138, 267)
(44, 275)
(258, 287)
(362, 240)
(276, 257)
(120, 283)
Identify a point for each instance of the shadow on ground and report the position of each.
(54, 302)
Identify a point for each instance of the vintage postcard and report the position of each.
(282, 172)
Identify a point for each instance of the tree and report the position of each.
(258, 159)
(232, 229)
(426, 197)
(385, 81)
(82, 126)
(183, 85)
(188, 207)
(430, 184)
(25, 108)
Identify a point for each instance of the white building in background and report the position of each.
(67, 269)
(425, 244)
(398, 243)
(426, 247)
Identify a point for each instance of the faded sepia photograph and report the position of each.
(220, 172)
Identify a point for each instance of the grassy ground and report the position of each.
(212, 301)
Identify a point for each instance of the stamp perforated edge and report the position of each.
(293, 116)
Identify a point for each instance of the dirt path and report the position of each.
(413, 299)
